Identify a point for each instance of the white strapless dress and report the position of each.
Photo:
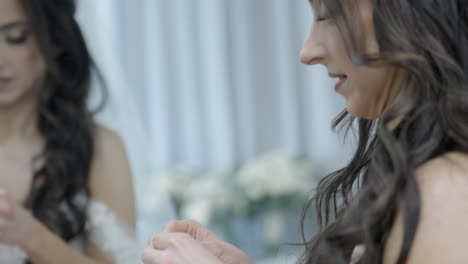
(105, 231)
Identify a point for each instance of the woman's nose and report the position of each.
(313, 51)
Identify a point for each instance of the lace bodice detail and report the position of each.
(104, 230)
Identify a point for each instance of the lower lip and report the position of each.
(4, 83)
(340, 84)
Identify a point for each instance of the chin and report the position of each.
(9, 100)
(358, 112)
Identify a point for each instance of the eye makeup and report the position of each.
(14, 33)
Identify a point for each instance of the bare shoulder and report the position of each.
(111, 178)
(110, 157)
(442, 231)
(107, 140)
(110, 181)
(444, 175)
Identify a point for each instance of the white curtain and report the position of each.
(209, 84)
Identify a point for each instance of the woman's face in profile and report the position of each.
(22, 66)
(366, 90)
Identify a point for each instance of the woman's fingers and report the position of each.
(192, 228)
(165, 240)
(177, 248)
(214, 247)
(226, 252)
(152, 256)
(160, 241)
(183, 226)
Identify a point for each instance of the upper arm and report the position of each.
(442, 232)
(111, 179)
(111, 183)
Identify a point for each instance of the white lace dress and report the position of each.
(105, 231)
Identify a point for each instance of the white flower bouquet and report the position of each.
(267, 188)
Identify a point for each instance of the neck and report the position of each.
(19, 121)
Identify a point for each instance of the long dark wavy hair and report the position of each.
(60, 192)
(427, 41)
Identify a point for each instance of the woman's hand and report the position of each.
(183, 242)
(16, 224)
(177, 248)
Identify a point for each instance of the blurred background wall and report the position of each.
(209, 85)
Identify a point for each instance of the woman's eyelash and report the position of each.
(16, 40)
(322, 18)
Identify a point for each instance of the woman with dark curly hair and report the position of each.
(402, 66)
(65, 185)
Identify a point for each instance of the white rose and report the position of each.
(199, 210)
